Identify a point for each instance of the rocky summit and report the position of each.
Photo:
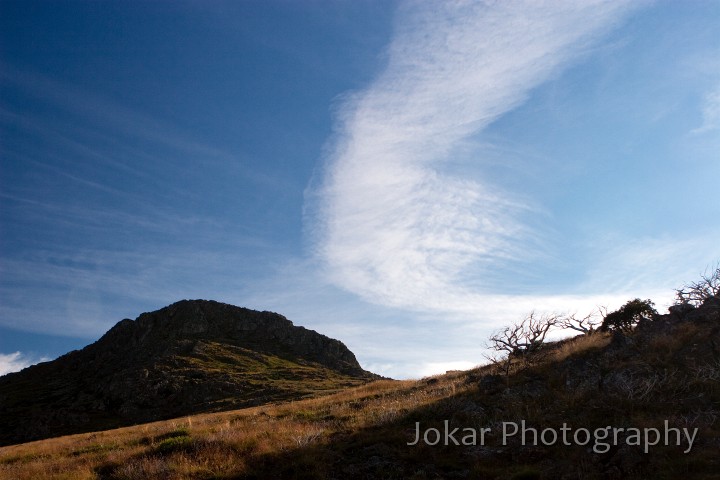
(192, 356)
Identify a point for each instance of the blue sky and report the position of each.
(404, 176)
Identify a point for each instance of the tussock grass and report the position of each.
(580, 344)
(363, 431)
(208, 445)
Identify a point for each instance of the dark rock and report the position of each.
(681, 310)
(491, 382)
(189, 357)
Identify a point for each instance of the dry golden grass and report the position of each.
(580, 344)
(214, 445)
(682, 334)
(361, 432)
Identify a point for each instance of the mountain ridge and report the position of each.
(189, 357)
(662, 374)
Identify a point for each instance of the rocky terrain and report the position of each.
(661, 375)
(192, 356)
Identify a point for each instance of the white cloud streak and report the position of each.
(14, 362)
(389, 224)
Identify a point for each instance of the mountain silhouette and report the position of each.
(189, 357)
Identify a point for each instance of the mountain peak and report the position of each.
(188, 357)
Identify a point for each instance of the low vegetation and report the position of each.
(697, 292)
(628, 316)
(194, 356)
(661, 373)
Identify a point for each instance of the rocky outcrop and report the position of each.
(176, 326)
(189, 357)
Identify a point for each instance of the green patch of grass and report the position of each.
(309, 415)
(178, 432)
(174, 444)
(94, 448)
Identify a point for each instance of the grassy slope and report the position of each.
(362, 432)
(277, 378)
(231, 377)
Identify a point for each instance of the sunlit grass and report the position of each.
(209, 444)
(362, 432)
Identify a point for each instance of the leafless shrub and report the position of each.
(695, 293)
(520, 340)
(586, 324)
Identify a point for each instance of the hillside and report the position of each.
(664, 375)
(192, 356)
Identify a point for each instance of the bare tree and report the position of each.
(695, 293)
(521, 339)
(586, 324)
(503, 344)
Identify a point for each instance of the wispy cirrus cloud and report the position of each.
(389, 222)
(89, 116)
(710, 112)
(106, 210)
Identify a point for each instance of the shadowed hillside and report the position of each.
(664, 375)
(189, 357)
